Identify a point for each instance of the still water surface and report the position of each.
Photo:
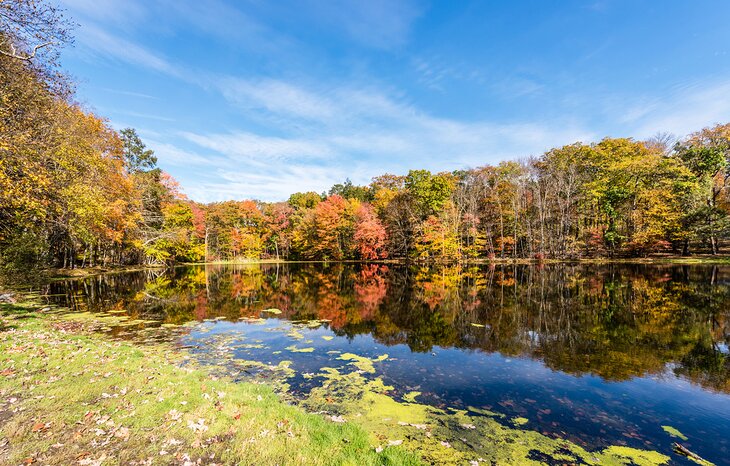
(599, 355)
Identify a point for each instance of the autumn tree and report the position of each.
(436, 241)
(235, 230)
(247, 231)
(370, 236)
(560, 196)
(301, 201)
(277, 226)
(334, 222)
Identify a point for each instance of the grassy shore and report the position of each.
(68, 396)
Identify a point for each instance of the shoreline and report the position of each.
(55, 274)
(679, 260)
(152, 403)
(70, 395)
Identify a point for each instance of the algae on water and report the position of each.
(520, 421)
(674, 432)
(294, 349)
(361, 362)
(449, 437)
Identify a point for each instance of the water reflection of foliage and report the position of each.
(613, 321)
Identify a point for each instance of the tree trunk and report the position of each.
(685, 247)
(206, 245)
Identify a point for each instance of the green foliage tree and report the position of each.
(347, 190)
(137, 157)
(429, 192)
(706, 154)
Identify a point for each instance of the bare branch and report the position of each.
(14, 54)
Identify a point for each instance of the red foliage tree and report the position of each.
(277, 233)
(198, 219)
(370, 235)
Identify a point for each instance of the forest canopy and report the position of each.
(75, 192)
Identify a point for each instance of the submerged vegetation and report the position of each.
(74, 192)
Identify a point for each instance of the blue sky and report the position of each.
(260, 99)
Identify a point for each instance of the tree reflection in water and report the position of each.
(614, 321)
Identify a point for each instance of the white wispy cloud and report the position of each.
(107, 46)
(369, 120)
(123, 15)
(277, 97)
(326, 134)
(259, 149)
(130, 93)
(686, 108)
(437, 73)
(147, 116)
(273, 185)
(169, 154)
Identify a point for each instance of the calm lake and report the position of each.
(595, 354)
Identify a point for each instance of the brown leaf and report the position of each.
(39, 426)
(237, 416)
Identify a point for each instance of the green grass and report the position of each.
(69, 396)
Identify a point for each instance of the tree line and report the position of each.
(76, 192)
(615, 198)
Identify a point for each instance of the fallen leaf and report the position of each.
(198, 426)
(38, 427)
(122, 433)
